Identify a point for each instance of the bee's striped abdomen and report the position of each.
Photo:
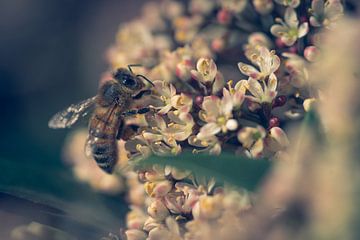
(103, 128)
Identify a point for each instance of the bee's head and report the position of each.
(128, 79)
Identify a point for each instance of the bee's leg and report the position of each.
(136, 111)
(126, 132)
(142, 93)
(133, 65)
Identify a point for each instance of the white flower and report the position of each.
(262, 92)
(266, 60)
(169, 99)
(325, 13)
(252, 139)
(289, 31)
(216, 113)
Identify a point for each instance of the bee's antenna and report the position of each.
(133, 65)
(139, 75)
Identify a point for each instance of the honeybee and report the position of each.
(109, 106)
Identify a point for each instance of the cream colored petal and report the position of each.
(278, 30)
(255, 88)
(272, 84)
(211, 105)
(249, 70)
(303, 30)
(240, 86)
(226, 103)
(275, 63)
(257, 148)
(208, 130)
(165, 109)
(290, 17)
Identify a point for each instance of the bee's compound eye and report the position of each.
(129, 81)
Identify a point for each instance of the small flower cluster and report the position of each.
(192, 53)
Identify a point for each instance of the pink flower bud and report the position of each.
(218, 44)
(274, 122)
(279, 136)
(279, 101)
(183, 69)
(224, 16)
(311, 53)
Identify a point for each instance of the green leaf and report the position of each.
(237, 170)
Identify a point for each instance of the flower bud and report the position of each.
(135, 219)
(274, 122)
(134, 234)
(183, 69)
(206, 70)
(279, 101)
(263, 6)
(224, 16)
(279, 136)
(218, 44)
(232, 124)
(158, 210)
(309, 104)
(311, 53)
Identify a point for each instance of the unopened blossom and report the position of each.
(235, 6)
(263, 6)
(289, 30)
(267, 61)
(206, 70)
(277, 139)
(136, 218)
(183, 69)
(289, 3)
(262, 92)
(325, 12)
(311, 53)
(252, 139)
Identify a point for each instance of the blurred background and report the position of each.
(52, 55)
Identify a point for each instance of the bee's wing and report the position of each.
(69, 116)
